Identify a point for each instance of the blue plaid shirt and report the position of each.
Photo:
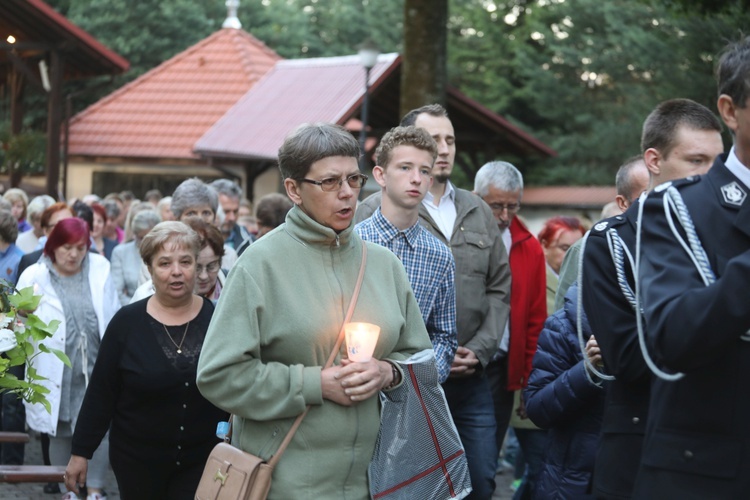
(431, 269)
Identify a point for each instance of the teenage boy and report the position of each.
(405, 159)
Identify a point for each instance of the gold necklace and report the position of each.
(179, 347)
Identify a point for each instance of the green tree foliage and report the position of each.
(313, 28)
(583, 74)
(148, 32)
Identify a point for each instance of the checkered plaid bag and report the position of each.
(418, 453)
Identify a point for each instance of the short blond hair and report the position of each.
(169, 232)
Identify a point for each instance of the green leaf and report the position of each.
(57, 352)
(25, 300)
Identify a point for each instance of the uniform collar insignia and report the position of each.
(601, 226)
(733, 194)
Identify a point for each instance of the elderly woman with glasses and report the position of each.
(143, 385)
(195, 198)
(278, 320)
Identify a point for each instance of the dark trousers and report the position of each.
(13, 420)
(470, 404)
(533, 442)
(502, 398)
(141, 480)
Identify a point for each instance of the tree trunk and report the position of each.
(423, 67)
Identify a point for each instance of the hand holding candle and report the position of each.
(361, 339)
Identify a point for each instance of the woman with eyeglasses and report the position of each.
(143, 385)
(209, 276)
(279, 317)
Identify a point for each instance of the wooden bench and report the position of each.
(28, 473)
(14, 437)
(32, 473)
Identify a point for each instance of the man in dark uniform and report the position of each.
(680, 138)
(697, 438)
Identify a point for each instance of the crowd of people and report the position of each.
(90, 258)
(612, 358)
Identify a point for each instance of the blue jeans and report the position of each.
(533, 442)
(471, 406)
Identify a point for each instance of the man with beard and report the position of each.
(461, 220)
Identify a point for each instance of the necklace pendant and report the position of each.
(179, 351)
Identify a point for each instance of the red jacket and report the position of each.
(528, 302)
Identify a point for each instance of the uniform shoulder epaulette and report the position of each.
(601, 227)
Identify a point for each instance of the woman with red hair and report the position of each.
(557, 236)
(102, 245)
(77, 291)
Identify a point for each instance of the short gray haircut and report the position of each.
(8, 226)
(228, 188)
(111, 207)
(192, 193)
(169, 232)
(166, 201)
(500, 175)
(38, 205)
(311, 142)
(145, 220)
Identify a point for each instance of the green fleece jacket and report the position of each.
(274, 327)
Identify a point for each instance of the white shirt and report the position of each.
(737, 168)
(443, 214)
(507, 241)
(27, 241)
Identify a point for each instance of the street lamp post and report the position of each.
(368, 56)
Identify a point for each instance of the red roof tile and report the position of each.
(570, 196)
(326, 89)
(164, 112)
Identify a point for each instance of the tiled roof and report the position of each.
(326, 89)
(164, 112)
(569, 196)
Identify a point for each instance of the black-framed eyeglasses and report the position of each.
(355, 181)
(211, 267)
(501, 207)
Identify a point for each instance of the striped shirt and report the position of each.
(430, 267)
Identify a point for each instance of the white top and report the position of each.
(507, 241)
(443, 214)
(27, 241)
(735, 166)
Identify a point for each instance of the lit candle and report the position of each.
(361, 339)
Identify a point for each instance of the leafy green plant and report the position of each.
(21, 341)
